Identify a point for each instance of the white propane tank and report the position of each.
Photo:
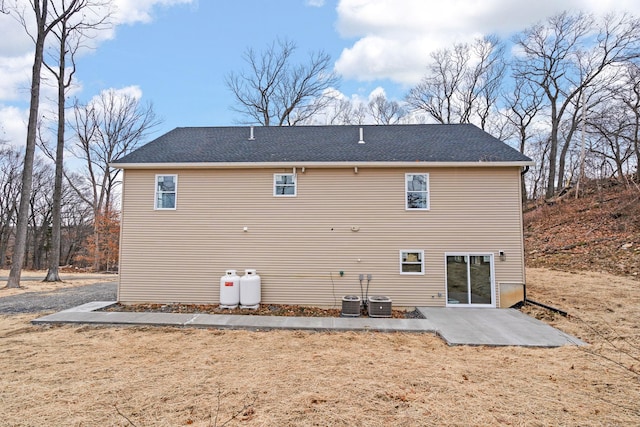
(229, 289)
(250, 289)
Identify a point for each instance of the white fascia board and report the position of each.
(265, 165)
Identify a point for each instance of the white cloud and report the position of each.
(315, 3)
(379, 91)
(16, 61)
(13, 125)
(135, 11)
(130, 91)
(358, 103)
(14, 40)
(395, 37)
(16, 48)
(115, 96)
(15, 72)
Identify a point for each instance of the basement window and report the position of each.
(166, 191)
(284, 185)
(412, 261)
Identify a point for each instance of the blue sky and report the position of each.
(176, 53)
(180, 60)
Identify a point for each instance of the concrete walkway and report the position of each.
(457, 326)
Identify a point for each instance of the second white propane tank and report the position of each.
(250, 289)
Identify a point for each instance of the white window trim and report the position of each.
(155, 193)
(295, 184)
(412, 273)
(406, 191)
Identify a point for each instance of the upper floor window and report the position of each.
(284, 184)
(166, 191)
(417, 191)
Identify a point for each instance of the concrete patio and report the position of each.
(457, 326)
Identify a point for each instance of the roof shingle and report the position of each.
(383, 143)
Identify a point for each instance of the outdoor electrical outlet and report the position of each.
(341, 273)
(361, 276)
(369, 276)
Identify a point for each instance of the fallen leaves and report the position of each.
(263, 310)
(600, 231)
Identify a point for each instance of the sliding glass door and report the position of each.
(470, 280)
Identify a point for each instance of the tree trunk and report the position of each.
(54, 254)
(636, 146)
(523, 184)
(96, 241)
(553, 155)
(562, 164)
(27, 172)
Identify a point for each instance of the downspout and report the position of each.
(523, 201)
(523, 187)
(548, 307)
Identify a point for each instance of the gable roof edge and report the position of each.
(262, 165)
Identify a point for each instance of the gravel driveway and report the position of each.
(36, 302)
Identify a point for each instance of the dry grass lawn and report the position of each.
(70, 280)
(126, 376)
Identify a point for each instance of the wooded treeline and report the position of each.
(51, 213)
(565, 91)
(103, 130)
(77, 219)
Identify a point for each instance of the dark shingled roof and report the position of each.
(383, 143)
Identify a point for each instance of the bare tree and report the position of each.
(461, 82)
(44, 24)
(385, 112)
(436, 93)
(346, 112)
(540, 155)
(40, 211)
(559, 57)
(106, 129)
(275, 91)
(487, 77)
(70, 34)
(10, 169)
(523, 104)
(613, 126)
(629, 94)
(612, 134)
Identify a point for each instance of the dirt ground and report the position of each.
(132, 376)
(600, 231)
(71, 279)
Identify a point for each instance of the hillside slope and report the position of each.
(600, 231)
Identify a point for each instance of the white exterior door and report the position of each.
(470, 280)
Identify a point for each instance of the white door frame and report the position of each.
(492, 272)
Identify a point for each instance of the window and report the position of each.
(412, 262)
(284, 184)
(417, 191)
(166, 186)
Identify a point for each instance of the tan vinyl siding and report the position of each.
(299, 245)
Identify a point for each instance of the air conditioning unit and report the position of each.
(379, 306)
(351, 306)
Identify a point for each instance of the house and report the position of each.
(431, 212)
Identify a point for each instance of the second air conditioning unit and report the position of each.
(379, 306)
